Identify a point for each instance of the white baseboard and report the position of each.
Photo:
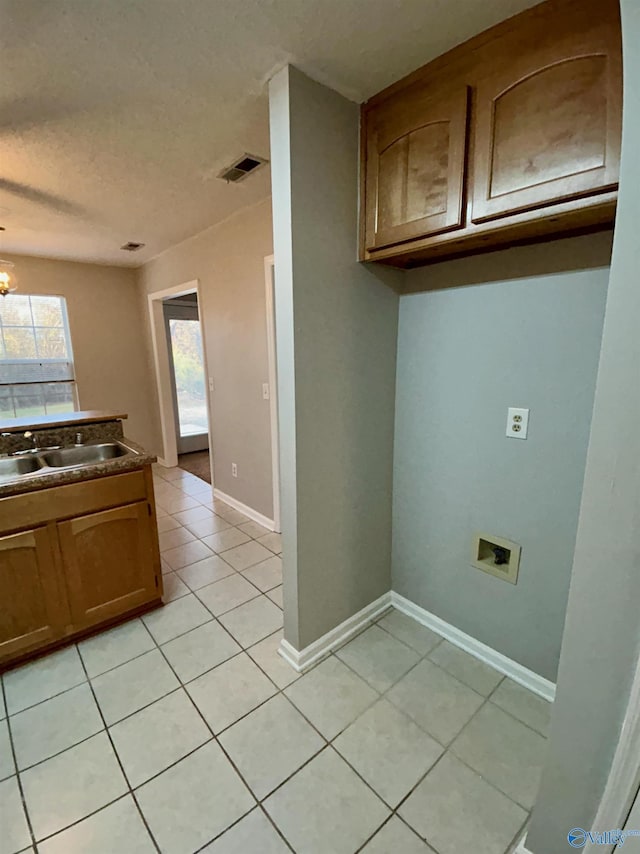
(163, 462)
(521, 848)
(302, 660)
(538, 684)
(244, 508)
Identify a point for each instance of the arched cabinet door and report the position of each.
(547, 125)
(35, 612)
(109, 562)
(415, 168)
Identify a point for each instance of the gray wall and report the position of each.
(529, 338)
(600, 645)
(228, 260)
(337, 332)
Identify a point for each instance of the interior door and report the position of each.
(188, 383)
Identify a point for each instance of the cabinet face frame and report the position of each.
(382, 131)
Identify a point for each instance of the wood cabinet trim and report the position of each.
(9, 541)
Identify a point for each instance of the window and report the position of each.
(36, 361)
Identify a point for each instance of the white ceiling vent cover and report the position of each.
(242, 167)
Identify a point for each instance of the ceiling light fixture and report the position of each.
(8, 278)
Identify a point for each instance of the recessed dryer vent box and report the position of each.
(496, 556)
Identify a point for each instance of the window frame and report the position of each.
(38, 360)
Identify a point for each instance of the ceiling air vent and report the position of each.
(131, 246)
(242, 167)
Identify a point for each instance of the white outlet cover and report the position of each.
(517, 423)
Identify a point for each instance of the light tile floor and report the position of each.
(184, 731)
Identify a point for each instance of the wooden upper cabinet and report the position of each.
(512, 136)
(30, 583)
(110, 563)
(415, 167)
(548, 116)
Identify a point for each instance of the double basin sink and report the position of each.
(36, 462)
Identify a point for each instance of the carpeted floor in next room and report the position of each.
(197, 463)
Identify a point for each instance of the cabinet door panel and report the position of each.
(32, 613)
(109, 563)
(547, 126)
(415, 167)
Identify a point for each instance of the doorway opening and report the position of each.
(188, 383)
(179, 349)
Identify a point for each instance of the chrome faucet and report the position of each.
(79, 439)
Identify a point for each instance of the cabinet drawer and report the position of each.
(73, 499)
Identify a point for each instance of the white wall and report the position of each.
(228, 261)
(337, 326)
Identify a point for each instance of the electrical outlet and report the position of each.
(517, 423)
(265, 391)
(234, 470)
(210, 383)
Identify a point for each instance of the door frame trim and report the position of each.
(269, 279)
(161, 364)
(624, 776)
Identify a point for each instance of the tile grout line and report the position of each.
(327, 742)
(17, 773)
(117, 756)
(217, 741)
(279, 691)
(381, 695)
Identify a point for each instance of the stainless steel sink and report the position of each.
(83, 455)
(12, 466)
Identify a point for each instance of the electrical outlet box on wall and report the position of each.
(497, 556)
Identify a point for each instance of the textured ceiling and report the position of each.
(116, 115)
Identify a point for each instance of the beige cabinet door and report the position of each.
(109, 563)
(415, 166)
(548, 110)
(33, 611)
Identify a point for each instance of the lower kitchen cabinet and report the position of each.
(73, 558)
